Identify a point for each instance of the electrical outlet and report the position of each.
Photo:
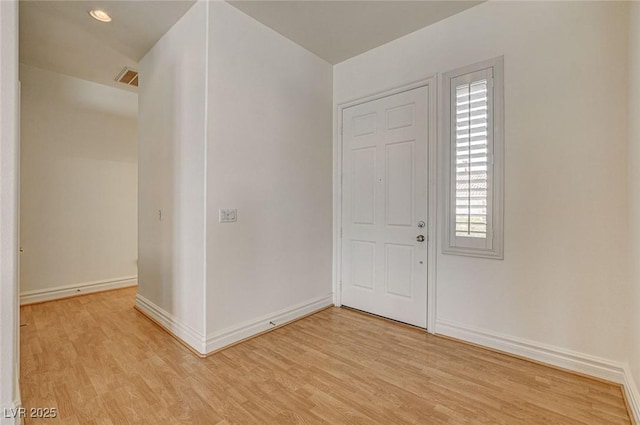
(227, 215)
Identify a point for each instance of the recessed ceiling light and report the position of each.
(100, 15)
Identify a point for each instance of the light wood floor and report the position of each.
(101, 362)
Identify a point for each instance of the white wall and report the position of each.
(563, 281)
(171, 172)
(269, 155)
(9, 328)
(78, 181)
(634, 196)
(233, 115)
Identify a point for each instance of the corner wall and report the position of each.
(270, 156)
(78, 185)
(634, 206)
(562, 289)
(233, 115)
(171, 151)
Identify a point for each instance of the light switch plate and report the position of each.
(227, 215)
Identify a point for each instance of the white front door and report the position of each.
(384, 207)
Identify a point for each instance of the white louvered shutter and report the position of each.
(471, 158)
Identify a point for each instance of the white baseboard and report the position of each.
(172, 324)
(632, 393)
(578, 362)
(233, 334)
(567, 359)
(50, 294)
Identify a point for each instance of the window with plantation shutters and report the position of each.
(472, 113)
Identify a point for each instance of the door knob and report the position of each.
(420, 238)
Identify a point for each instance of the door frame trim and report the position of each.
(432, 186)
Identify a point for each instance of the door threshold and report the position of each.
(377, 316)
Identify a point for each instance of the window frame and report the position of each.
(493, 245)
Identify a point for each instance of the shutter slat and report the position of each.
(474, 186)
(476, 218)
(474, 175)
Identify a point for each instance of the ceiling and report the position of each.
(59, 35)
(339, 30)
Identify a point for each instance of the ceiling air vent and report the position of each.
(128, 76)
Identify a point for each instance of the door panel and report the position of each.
(364, 124)
(399, 117)
(363, 182)
(400, 175)
(364, 259)
(384, 184)
(399, 270)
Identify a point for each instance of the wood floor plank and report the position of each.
(98, 361)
